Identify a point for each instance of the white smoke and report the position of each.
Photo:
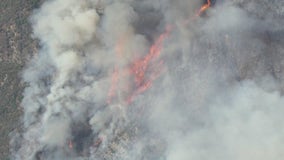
(219, 94)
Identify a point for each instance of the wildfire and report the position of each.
(119, 49)
(137, 70)
(70, 144)
(204, 7)
(139, 67)
(144, 70)
(98, 142)
(113, 88)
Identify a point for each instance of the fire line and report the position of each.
(141, 71)
(204, 7)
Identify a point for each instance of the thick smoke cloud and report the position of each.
(218, 93)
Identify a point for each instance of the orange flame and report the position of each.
(204, 7)
(98, 142)
(70, 144)
(139, 69)
(119, 49)
(113, 88)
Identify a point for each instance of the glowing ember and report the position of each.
(98, 142)
(70, 144)
(204, 7)
(113, 88)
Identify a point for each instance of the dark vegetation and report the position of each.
(16, 47)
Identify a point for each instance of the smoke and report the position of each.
(153, 80)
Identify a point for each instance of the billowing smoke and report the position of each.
(151, 80)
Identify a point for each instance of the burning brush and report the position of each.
(88, 94)
(146, 69)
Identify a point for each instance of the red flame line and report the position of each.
(139, 68)
(113, 88)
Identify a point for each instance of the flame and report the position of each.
(70, 144)
(204, 7)
(139, 70)
(113, 88)
(140, 67)
(119, 50)
(144, 70)
(98, 142)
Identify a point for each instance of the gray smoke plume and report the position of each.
(217, 91)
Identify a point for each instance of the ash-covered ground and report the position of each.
(150, 80)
